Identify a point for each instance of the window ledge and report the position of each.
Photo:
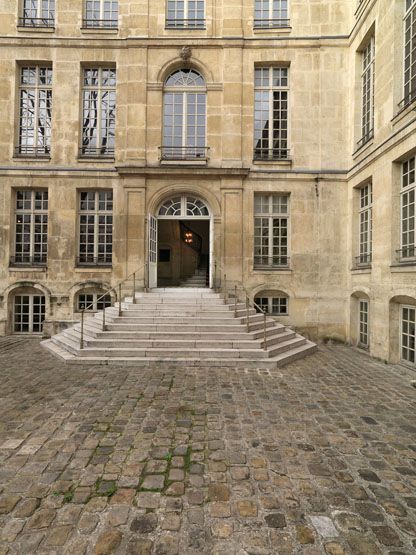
(30, 158)
(27, 29)
(101, 160)
(272, 30)
(403, 267)
(363, 147)
(287, 162)
(273, 270)
(28, 268)
(403, 112)
(183, 162)
(98, 31)
(366, 270)
(93, 269)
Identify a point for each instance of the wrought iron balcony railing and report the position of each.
(99, 24)
(271, 154)
(28, 260)
(270, 23)
(271, 262)
(87, 261)
(100, 152)
(406, 254)
(363, 261)
(365, 138)
(184, 153)
(408, 99)
(39, 22)
(33, 151)
(185, 23)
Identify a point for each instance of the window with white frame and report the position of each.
(277, 303)
(270, 14)
(95, 228)
(408, 334)
(188, 14)
(98, 112)
(37, 13)
(271, 230)
(101, 14)
(409, 54)
(28, 313)
(184, 116)
(367, 92)
(35, 111)
(31, 228)
(363, 323)
(271, 113)
(92, 301)
(408, 206)
(365, 225)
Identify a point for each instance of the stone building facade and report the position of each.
(280, 134)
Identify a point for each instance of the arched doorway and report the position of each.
(180, 239)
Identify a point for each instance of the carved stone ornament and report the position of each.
(186, 53)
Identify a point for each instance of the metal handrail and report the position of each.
(117, 290)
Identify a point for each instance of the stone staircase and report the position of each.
(199, 279)
(180, 327)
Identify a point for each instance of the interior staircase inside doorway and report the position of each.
(181, 326)
(199, 279)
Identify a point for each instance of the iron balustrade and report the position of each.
(88, 261)
(33, 151)
(117, 290)
(270, 23)
(408, 99)
(39, 22)
(365, 138)
(271, 262)
(184, 152)
(406, 254)
(34, 260)
(363, 260)
(99, 152)
(185, 23)
(271, 154)
(99, 24)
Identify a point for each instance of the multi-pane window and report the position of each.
(35, 111)
(367, 91)
(92, 301)
(271, 113)
(408, 205)
(95, 228)
(365, 225)
(363, 323)
(273, 305)
(31, 228)
(101, 14)
(184, 116)
(98, 112)
(185, 14)
(38, 13)
(270, 14)
(28, 313)
(409, 54)
(408, 334)
(271, 223)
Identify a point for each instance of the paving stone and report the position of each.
(148, 500)
(304, 535)
(246, 508)
(167, 545)
(218, 492)
(172, 522)
(275, 520)
(87, 523)
(139, 547)
(387, 536)
(26, 508)
(360, 545)
(118, 515)
(219, 509)
(153, 482)
(324, 526)
(42, 518)
(11, 529)
(108, 542)
(58, 535)
(8, 503)
(144, 524)
(334, 548)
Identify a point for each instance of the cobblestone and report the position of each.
(316, 458)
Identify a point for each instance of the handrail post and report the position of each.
(215, 277)
(103, 328)
(81, 343)
(247, 314)
(145, 278)
(225, 289)
(265, 330)
(235, 301)
(134, 288)
(119, 299)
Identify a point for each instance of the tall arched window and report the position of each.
(184, 116)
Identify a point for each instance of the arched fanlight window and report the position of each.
(183, 207)
(184, 116)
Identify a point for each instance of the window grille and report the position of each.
(98, 112)
(185, 14)
(271, 14)
(95, 228)
(101, 14)
(31, 228)
(271, 113)
(38, 13)
(35, 111)
(271, 223)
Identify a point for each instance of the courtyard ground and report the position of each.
(317, 457)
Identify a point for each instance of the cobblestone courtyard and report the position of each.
(317, 457)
